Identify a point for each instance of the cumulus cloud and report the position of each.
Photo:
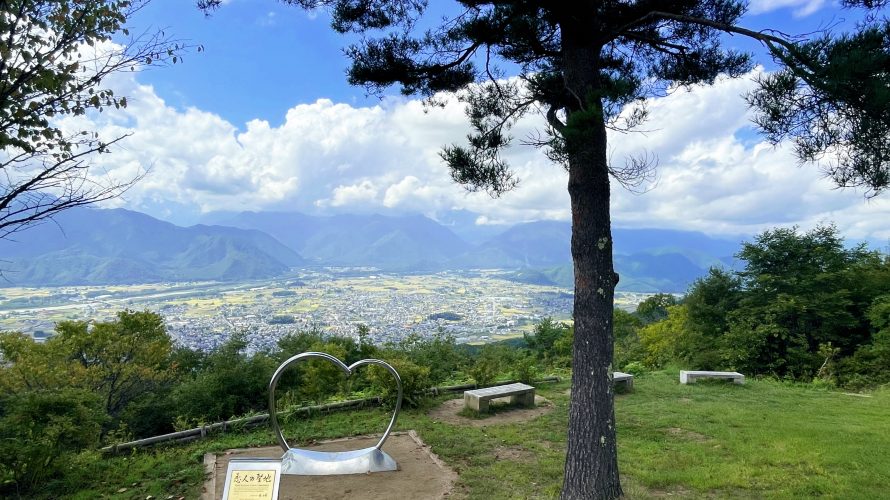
(801, 8)
(713, 174)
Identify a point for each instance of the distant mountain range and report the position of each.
(406, 243)
(89, 246)
(92, 246)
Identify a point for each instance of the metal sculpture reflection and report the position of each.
(297, 461)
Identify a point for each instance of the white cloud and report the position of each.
(802, 8)
(350, 196)
(335, 157)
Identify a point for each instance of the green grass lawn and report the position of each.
(709, 440)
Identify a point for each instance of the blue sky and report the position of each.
(263, 119)
(261, 57)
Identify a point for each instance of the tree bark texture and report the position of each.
(591, 469)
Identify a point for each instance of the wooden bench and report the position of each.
(623, 378)
(689, 377)
(478, 399)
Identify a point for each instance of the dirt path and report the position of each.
(448, 412)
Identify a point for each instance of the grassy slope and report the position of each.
(764, 439)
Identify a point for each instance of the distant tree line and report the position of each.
(803, 307)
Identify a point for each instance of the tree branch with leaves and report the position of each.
(54, 57)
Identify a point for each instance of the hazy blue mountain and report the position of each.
(411, 242)
(646, 259)
(463, 224)
(88, 246)
(536, 252)
(530, 245)
(92, 246)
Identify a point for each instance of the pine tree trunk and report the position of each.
(591, 469)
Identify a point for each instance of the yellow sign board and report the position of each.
(252, 479)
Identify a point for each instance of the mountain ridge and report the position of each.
(86, 246)
(112, 246)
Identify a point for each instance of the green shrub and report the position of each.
(415, 380)
(547, 333)
(440, 353)
(635, 368)
(38, 429)
(525, 369)
(487, 366)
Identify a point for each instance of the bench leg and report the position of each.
(524, 399)
(476, 403)
(482, 406)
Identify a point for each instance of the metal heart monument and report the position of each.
(297, 461)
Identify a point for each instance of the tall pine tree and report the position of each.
(581, 64)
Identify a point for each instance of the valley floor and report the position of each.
(478, 306)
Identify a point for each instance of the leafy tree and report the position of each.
(708, 304)
(440, 353)
(489, 363)
(231, 383)
(870, 364)
(55, 55)
(321, 379)
(663, 340)
(799, 294)
(29, 365)
(654, 308)
(415, 380)
(120, 360)
(298, 342)
(546, 333)
(587, 67)
(798, 308)
(628, 348)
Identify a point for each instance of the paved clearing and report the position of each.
(420, 474)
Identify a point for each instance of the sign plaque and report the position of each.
(252, 479)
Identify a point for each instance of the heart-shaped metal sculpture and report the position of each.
(297, 461)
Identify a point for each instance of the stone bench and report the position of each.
(478, 399)
(689, 377)
(623, 378)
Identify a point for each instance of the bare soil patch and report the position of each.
(686, 434)
(421, 474)
(513, 454)
(448, 412)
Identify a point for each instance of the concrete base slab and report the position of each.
(421, 474)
